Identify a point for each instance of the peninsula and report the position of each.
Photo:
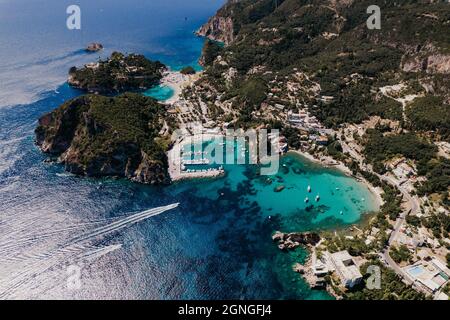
(125, 136)
(117, 74)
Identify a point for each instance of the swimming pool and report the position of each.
(416, 271)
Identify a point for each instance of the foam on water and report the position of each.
(20, 270)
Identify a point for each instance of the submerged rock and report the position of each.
(298, 171)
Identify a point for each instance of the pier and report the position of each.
(177, 165)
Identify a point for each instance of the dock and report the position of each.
(178, 171)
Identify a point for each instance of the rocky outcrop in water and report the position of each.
(94, 47)
(289, 241)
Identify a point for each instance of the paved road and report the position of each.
(413, 207)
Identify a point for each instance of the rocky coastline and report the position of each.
(290, 241)
(99, 136)
(219, 27)
(117, 74)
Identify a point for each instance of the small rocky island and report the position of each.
(117, 74)
(125, 136)
(94, 47)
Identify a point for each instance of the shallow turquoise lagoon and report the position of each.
(160, 92)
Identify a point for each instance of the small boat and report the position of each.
(342, 213)
(337, 188)
(306, 200)
(309, 189)
(317, 198)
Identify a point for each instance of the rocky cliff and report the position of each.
(328, 42)
(220, 27)
(100, 136)
(427, 59)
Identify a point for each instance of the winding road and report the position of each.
(413, 207)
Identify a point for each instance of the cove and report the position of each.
(160, 92)
(216, 245)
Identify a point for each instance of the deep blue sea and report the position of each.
(63, 236)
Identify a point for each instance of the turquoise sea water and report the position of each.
(215, 245)
(160, 92)
(324, 197)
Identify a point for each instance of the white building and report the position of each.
(346, 268)
(441, 266)
(430, 276)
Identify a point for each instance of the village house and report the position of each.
(346, 269)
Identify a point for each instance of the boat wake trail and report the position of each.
(124, 222)
(28, 269)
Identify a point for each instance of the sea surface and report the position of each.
(63, 236)
(160, 92)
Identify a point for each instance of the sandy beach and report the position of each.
(177, 81)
